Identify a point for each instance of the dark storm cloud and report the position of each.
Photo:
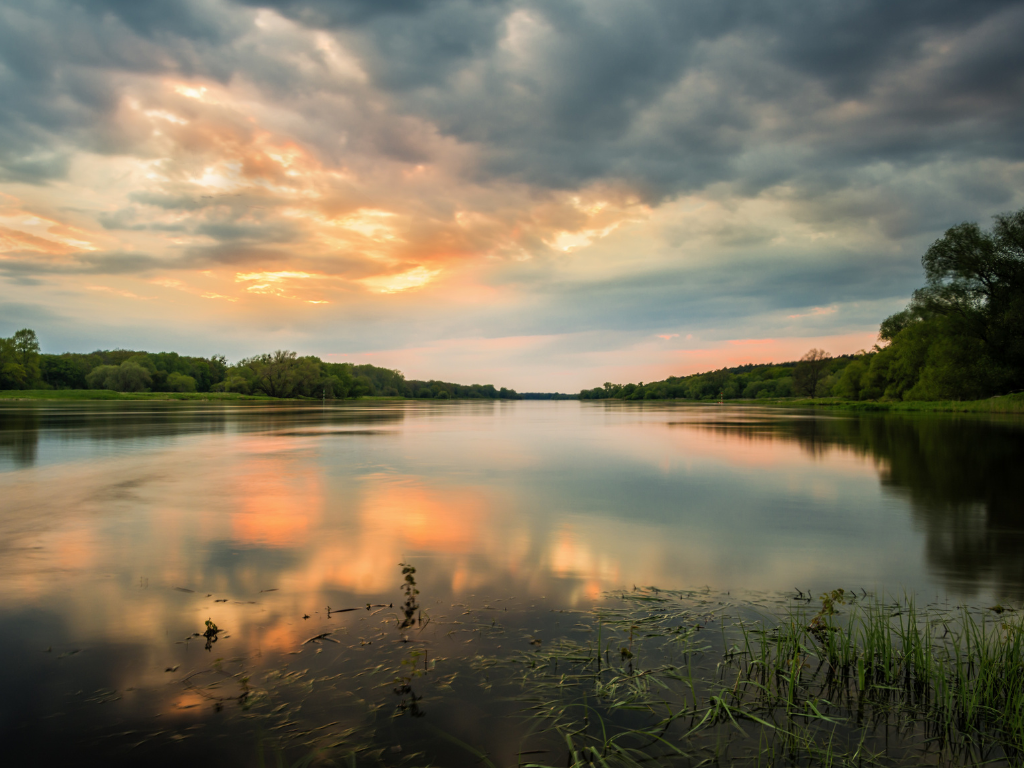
(188, 19)
(671, 96)
(24, 165)
(62, 65)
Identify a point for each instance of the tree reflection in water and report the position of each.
(19, 439)
(962, 476)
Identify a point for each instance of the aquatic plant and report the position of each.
(879, 685)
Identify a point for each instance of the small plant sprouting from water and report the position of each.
(829, 601)
(211, 634)
(410, 607)
(410, 668)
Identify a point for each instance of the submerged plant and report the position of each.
(210, 634)
(829, 601)
(410, 606)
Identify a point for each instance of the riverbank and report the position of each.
(1002, 404)
(107, 394)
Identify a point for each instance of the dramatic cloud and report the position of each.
(637, 183)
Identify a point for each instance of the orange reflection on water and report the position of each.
(398, 517)
(571, 555)
(427, 519)
(276, 503)
(279, 637)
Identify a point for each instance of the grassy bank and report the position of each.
(1002, 404)
(107, 394)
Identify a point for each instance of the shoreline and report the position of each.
(1000, 404)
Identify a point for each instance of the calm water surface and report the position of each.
(124, 526)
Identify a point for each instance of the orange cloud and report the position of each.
(16, 240)
(404, 281)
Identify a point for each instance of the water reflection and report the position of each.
(19, 438)
(961, 476)
(565, 499)
(67, 431)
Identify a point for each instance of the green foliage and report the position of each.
(278, 374)
(851, 381)
(745, 381)
(64, 371)
(810, 373)
(962, 336)
(281, 374)
(179, 382)
(233, 383)
(69, 370)
(129, 376)
(19, 361)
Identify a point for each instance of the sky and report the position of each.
(539, 195)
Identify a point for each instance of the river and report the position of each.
(124, 526)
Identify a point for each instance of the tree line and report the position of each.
(816, 375)
(961, 337)
(277, 374)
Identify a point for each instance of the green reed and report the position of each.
(852, 684)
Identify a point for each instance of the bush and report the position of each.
(126, 377)
(179, 382)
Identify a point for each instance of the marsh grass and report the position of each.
(665, 679)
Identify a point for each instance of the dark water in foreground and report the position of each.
(124, 526)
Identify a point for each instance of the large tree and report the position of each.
(19, 361)
(962, 336)
(810, 371)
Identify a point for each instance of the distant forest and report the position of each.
(279, 374)
(960, 338)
